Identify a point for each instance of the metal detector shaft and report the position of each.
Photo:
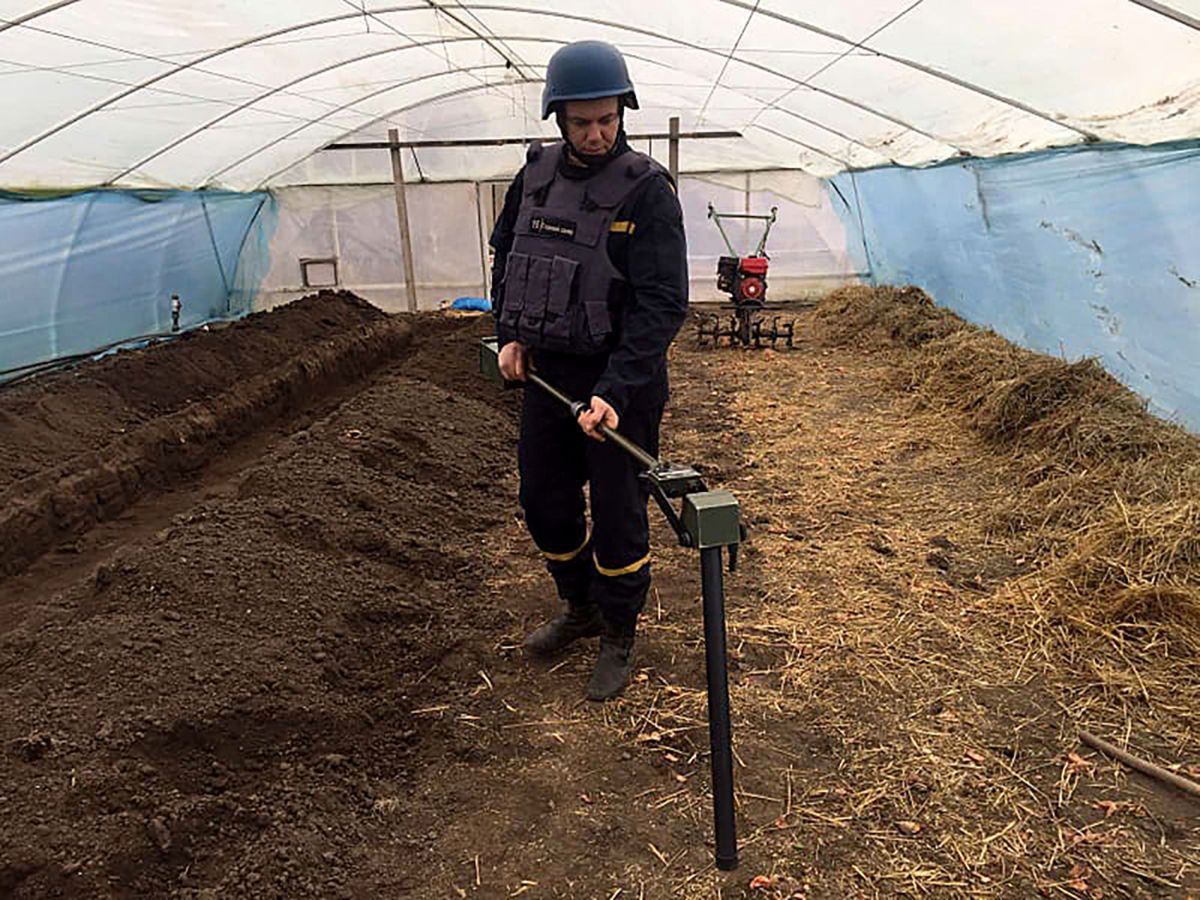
(577, 407)
(719, 731)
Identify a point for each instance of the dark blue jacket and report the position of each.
(647, 246)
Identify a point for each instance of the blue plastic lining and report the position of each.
(1088, 251)
(89, 270)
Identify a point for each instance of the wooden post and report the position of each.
(673, 156)
(410, 278)
(481, 225)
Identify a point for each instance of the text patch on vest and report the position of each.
(549, 226)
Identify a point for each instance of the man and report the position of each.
(589, 289)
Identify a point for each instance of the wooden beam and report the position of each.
(673, 151)
(501, 142)
(410, 277)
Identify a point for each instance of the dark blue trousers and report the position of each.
(610, 565)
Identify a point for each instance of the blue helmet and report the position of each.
(586, 70)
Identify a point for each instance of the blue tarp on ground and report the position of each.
(1082, 252)
(87, 270)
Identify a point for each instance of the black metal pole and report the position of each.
(719, 732)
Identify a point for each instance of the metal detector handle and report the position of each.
(489, 366)
(611, 434)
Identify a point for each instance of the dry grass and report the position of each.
(1111, 490)
(963, 552)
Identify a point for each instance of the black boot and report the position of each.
(615, 665)
(579, 621)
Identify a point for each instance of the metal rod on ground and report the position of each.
(673, 154)
(410, 278)
(719, 730)
(1141, 765)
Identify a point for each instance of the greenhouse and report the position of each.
(269, 560)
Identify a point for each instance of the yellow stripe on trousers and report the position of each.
(566, 557)
(626, 570)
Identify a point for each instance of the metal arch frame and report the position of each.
(916, 66)
(208, 180)
(1160, 8)
(96, 107)
(283, 87)
(450, 95)
(361, 57)
(30, 16)
(429, 5)
(183, 67)
(788, 112)
(309, 122)
(457, 92)
(386, 115)
(1163, 10)
(592, 20)
(767, 103)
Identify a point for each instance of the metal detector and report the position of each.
(707, 521)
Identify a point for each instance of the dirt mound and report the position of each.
(51, 419)
(85, 444)
(234, 704)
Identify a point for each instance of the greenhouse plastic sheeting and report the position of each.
(78, 273)
(1090, 252)
(356, 226)
(175, 93)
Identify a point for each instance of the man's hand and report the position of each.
(514, 361)
(600, 413)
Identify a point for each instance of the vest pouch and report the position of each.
(557, 327)
(536, 295)
(516, 277)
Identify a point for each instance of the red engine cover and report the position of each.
(754, 265)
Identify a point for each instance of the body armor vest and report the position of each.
(558, 277)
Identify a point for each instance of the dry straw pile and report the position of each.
(1110, 499)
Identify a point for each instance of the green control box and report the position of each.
(489, 359)
(712, 518)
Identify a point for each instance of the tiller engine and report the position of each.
(744, 278)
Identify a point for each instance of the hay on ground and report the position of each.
(1110, 498)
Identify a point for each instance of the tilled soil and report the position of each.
(213, 705)
(80, 447)
(295, 672)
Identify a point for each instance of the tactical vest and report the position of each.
(558, 277)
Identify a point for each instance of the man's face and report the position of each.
(592, 125)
